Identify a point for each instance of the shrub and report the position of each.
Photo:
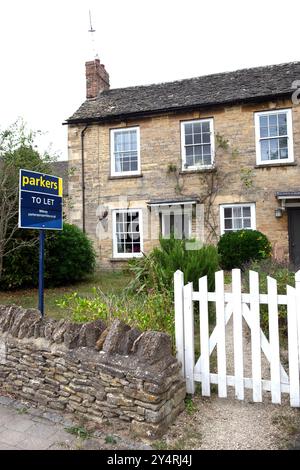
(283, 276)
(277, 270)
(242, 246)
(147, 311)
(20, 267)
(69, 257)
(152, 308)
(156, 270)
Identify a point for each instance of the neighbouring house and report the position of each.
(200, 157)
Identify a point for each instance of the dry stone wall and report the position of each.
(95, 372)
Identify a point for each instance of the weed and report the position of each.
(22, 411)
(179, 444)
(227, 277)
(190, 440)
(160, 445)
(190, 405)
(146, 311)
(110, 439)
(79, 432)
(285, 423)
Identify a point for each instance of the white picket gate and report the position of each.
(239, 305)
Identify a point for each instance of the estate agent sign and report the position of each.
(40, 201)
(40, 207)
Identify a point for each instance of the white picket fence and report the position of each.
(239, 305)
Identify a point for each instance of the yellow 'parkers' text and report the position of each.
(26, 181)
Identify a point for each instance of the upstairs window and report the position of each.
(125, 151)
(197, 144)
(274, 137)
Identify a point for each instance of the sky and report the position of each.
(44, 45)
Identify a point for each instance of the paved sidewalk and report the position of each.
(20, 429)
(25, 427)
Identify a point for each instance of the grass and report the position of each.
(107, 281)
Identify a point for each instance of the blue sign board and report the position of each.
(40, 201)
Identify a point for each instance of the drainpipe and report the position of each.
(82, 176)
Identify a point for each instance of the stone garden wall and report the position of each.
(92, 371)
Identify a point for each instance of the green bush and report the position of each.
(147, 311)
(153, 307)
(283, 276)
(69, 257)
(242, 246)
(20, 267)
(156, 270)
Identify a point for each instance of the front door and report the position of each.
(294, 236)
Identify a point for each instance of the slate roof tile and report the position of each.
(221, 88)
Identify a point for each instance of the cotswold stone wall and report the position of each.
(92, 371)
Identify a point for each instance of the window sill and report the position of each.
(200, 170)
(272, 165)
(121, 177)
(116, 260)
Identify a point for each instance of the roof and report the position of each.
(244, 85)
(61, 169)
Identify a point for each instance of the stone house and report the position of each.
(61, 168)
(199, 157)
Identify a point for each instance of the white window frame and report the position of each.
(252, 216)
(112, 155)
(290, 158)
(114, 232)
(212, 144)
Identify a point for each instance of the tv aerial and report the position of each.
(92, 32)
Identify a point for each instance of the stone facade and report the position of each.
(160, 146)
(61, 168)
(94, 372)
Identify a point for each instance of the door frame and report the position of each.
(290, 232)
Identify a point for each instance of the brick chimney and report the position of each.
(97, 78)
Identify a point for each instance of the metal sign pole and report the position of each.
(41, 272)
(40, 207)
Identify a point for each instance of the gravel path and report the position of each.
(227, 423)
